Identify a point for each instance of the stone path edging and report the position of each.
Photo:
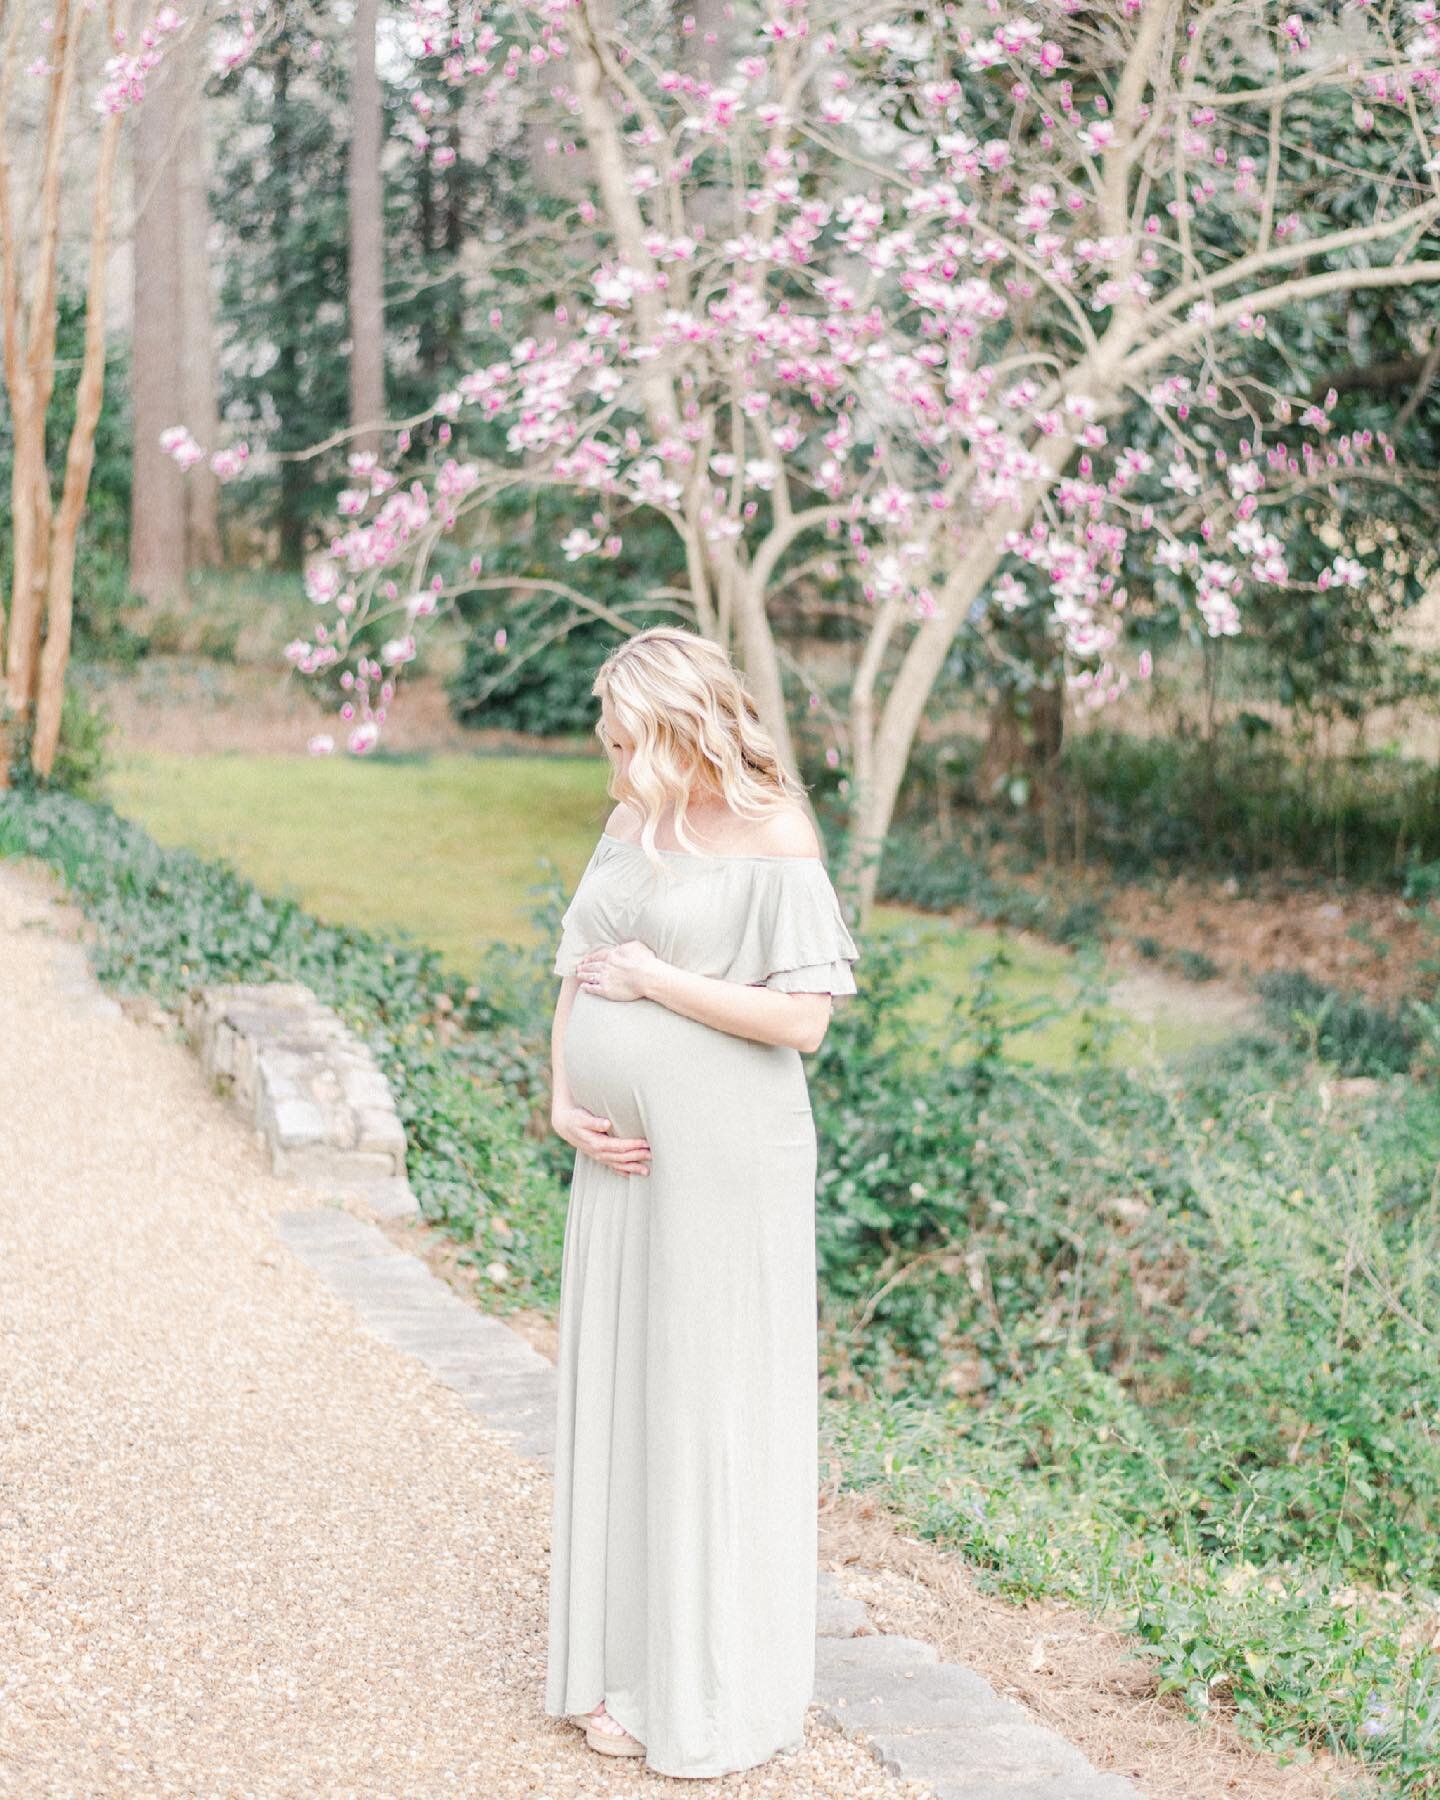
(924, 1719)
(313, 1091)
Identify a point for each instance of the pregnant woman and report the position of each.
(699, 954)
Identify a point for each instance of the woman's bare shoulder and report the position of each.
(789, 831)
(623, 822)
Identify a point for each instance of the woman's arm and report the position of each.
(565, 1001)
(632, 971)
(587, 1131)
(799, 1021)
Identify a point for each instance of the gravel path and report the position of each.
(245, 1548)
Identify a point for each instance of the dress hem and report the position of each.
(787, 1746)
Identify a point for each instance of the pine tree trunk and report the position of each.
(157, 493)
(294, 479)
(367, 313)
(30, 511)
(203, 545)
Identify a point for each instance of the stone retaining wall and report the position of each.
(313, 1091)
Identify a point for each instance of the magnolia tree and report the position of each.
(963, 303)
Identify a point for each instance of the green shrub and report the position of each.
(101, 583)
(1202, 1392)
(1250, 803)
(1247, 805)
(545, 692)
(1344, 1029)
(921, 868)
(1195, 965)
(1422, 883)
(81, 758)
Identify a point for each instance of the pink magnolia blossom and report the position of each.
(227, 464)
(176, 441)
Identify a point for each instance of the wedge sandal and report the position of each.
(612, 1743)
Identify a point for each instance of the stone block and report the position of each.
(218, 1057)
(852, 1660)
(391, 1197)
(331, 1171)
(244, 1074)
(1019, 1751)
(366, 1090)
(296, 1123)
(891, 1691)
(311, 1087)
(837, 1614)
(381, 1133)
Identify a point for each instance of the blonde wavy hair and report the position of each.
(695, 727)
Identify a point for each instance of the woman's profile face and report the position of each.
(618, 742)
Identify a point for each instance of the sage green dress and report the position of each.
(684, 1543)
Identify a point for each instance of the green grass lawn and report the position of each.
(443, 847)
(447, 847)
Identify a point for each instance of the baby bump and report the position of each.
(656, 1074)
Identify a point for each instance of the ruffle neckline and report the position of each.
(721, 856)
(788, 933)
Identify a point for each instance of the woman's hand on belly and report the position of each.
(591, 1135)
(619, 971)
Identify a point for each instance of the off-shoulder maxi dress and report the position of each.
(684, 1540)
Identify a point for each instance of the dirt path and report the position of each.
(245, 1548)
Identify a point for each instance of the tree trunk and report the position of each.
(203, 545)
(30, 515)
(30, 380)
(367, 314)
(761, 662)
(294, 480)
(79, 460)
(883, 743)
(157, 493)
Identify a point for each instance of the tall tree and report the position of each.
(367, 248)
(199, 383)
(280, 203)
(159, 498)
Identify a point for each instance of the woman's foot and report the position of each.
(609, 1736)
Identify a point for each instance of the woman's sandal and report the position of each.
(610, 1738)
